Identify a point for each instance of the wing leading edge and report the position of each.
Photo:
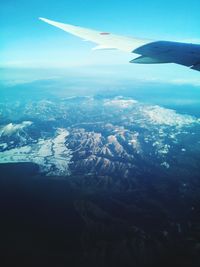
(150, 52)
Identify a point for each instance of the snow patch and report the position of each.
(12, 128)
(120, 103)
(168, 117)
(52, 155)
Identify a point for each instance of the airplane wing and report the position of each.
(149, 51)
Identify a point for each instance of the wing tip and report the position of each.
(51, 22)
(43, 19)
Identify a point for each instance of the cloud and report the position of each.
(12, 128)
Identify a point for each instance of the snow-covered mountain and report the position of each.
(118, 137)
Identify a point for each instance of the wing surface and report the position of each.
(150, 52)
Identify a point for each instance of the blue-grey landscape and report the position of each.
(104, 176)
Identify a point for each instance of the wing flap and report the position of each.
(101, 47)
(147, 60)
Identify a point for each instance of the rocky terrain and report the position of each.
(117, 137)
(99, 181)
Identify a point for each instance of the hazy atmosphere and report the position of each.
(99, 158)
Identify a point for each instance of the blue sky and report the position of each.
(27, 42)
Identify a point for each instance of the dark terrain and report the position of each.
(53, 222)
